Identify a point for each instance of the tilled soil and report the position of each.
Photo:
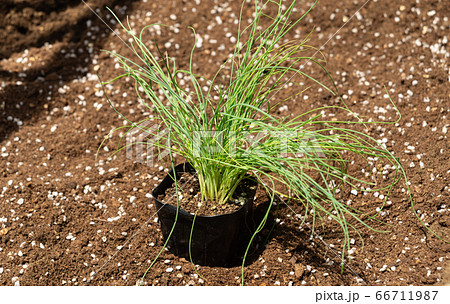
(68, 217)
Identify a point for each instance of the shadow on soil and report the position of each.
(33, 24)
(312, 251)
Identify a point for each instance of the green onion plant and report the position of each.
(230, 129)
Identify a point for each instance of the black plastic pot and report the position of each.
(218, 240)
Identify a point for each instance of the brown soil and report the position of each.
(69, 218)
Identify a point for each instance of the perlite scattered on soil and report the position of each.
(53, 116)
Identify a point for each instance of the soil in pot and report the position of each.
(190, 197)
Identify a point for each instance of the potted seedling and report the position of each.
(231, 141)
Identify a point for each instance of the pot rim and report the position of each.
(187, 167)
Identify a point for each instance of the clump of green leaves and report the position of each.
(229, 130)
